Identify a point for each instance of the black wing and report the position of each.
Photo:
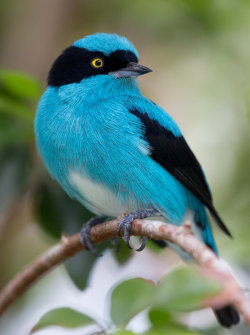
(173, 153)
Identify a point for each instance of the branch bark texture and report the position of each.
(208, 262)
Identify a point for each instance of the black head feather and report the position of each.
(74, 64)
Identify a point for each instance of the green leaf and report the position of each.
(20, 84)
(56, 212)
(172, 329)
(123, 332)
(79, 268)
(124, 254)
(215, 330)
(158, 317)
(163, 323)
(15, 171)
(64, 317)
(11, 107)
(129, 298)
(184, 290)
(13, 133)
(181, 290)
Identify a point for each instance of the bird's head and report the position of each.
(96, 56)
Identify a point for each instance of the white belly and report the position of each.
(98, 197)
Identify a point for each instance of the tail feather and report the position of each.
(227, 316)
(160, 243)
(219, 222)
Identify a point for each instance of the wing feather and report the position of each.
(173, 153)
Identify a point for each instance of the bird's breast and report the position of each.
(96, 196)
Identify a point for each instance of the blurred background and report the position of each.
(200, 55)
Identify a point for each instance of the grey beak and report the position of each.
(132, 70)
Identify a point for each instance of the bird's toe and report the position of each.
(143, 243)
(85, 236)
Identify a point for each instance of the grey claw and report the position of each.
(127, 228)
(85, 239)
(127, 236)
(127, 243)
(120, 226)
(85, 235)
(143, 243)
(127, 221)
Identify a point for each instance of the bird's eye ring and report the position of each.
(97, 63)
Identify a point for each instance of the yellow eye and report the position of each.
(97, 63)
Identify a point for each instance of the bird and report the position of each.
(115, 151)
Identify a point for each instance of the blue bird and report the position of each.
(114, 150)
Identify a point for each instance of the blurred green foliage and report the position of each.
(18, 96)
(162, 302)
(181, 290)
(18, 93)
(64, 317)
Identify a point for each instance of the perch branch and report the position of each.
(182, 236)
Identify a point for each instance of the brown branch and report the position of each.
(182, 236)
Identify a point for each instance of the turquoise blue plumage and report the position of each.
(111, 148)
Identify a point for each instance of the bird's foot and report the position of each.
(85, 234)
(126, 224)
(115, 241)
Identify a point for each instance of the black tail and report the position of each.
(227, 316)
(161, 244)
(218, 220)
